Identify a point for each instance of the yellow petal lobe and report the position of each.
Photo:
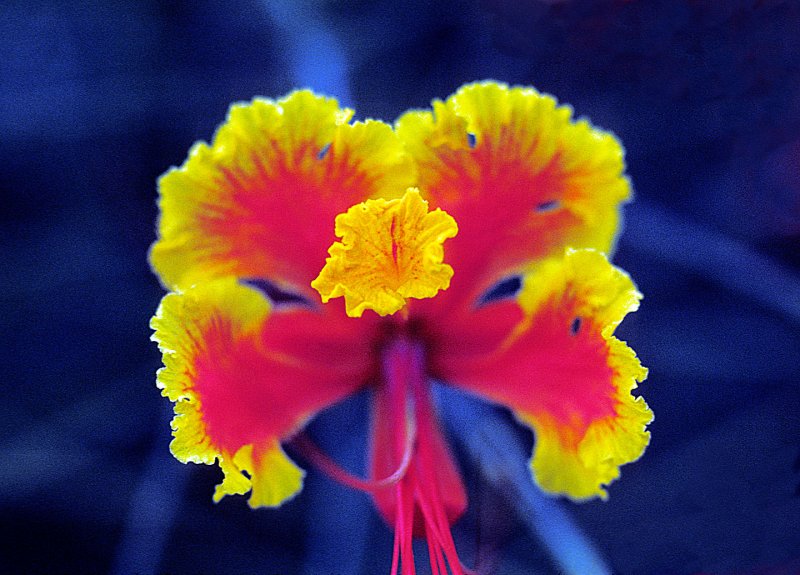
(185, 326)
(391, 250)
(579, 458)
(273, 477)
(512, 164)
(258, 200)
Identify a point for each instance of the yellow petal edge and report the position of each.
(258, 139)
(526, 130)
(179, 324)
(391, 250)
(580, 467)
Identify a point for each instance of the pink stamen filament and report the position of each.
(409, 397)
(396, 368)
(414, 482)
(322, 461)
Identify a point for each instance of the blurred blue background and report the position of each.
(97, 99)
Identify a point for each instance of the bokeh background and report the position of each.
(98, 98)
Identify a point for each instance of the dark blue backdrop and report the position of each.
(99, 98)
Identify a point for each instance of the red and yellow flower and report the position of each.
(471, 251)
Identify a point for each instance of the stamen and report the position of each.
(427, 495)
(405, 506)
(418, 495)
(396, 545)
(397, 369)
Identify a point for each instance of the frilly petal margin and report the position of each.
(391, 250)
(244, 379)
(563, 373)
(260, 201)
(271, 476)
(510, 165)
(182, 327)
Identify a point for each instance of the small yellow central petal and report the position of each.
(390, 250)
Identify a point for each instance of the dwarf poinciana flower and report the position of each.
(472, 241)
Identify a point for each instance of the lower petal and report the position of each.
(243, 380)
(579, 460)
(564, 373)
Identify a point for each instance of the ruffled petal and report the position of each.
(562, 371)
(260, 201)
(243, 380)
(390, 250)
(522, 178)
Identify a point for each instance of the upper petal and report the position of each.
(391, 250)
(562, 371)
(520, 176)
(261, 199)
(243, 380)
